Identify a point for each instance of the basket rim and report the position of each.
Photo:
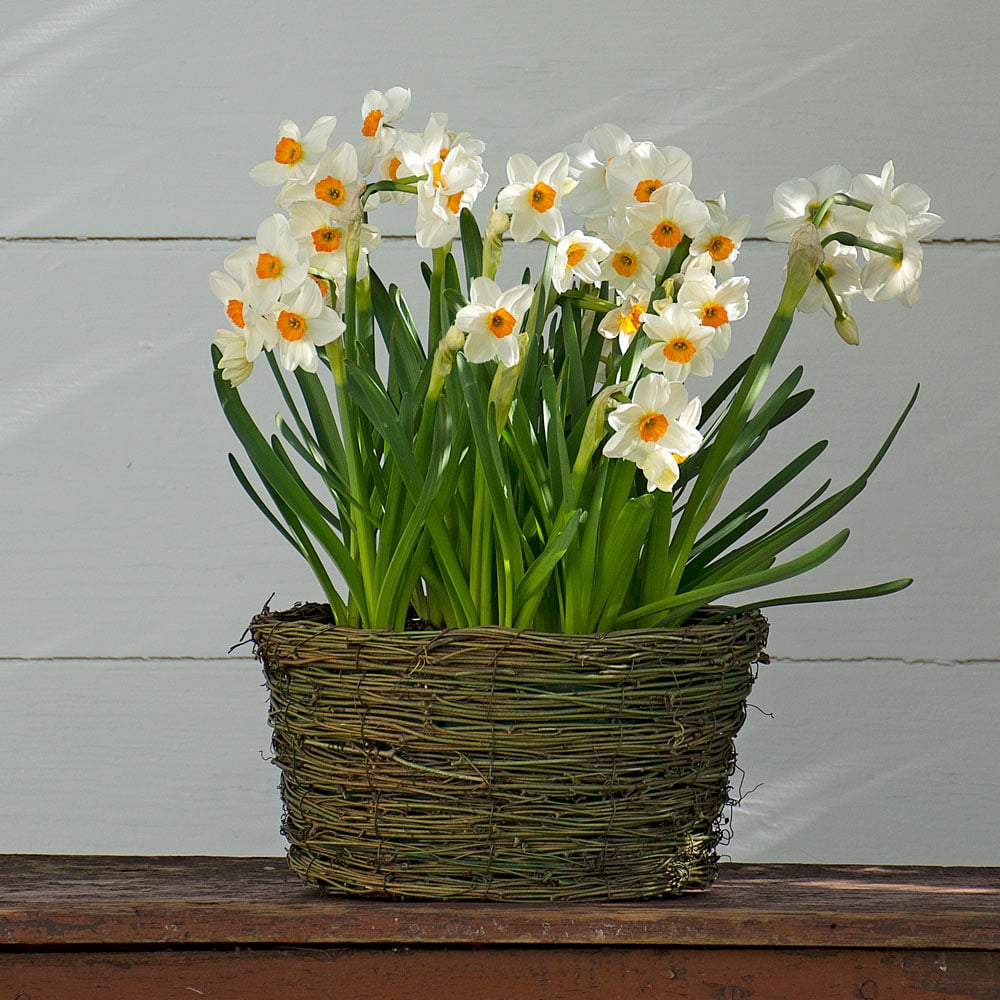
(307, 613)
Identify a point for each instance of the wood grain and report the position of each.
(62, 901)
(576, 973)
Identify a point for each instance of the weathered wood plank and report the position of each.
(603, 973)
(197, 109)
(53, 900)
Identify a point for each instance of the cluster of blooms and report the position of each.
(871, 214)
(638, 217)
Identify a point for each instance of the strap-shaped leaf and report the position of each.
(531, 589)
(270, 468)
(674, 609)
(472, 247)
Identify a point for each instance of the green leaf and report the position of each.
(768, 545)
(618, 554)
(674, 609)
(852, 594)
(472, 247)
(495, 474)
(555, 443)
(241, 476)
(273, 472)
(531, 589)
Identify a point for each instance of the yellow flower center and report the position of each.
(436, 174)
(653, 426)
(632, 320)
(624, 263)
(454, 202)
(644, 189)
(324, 285)
(575, 254)
(542, 197)
(234, 310)
(268, 266)
(288, 151)
(714, 314)
(720, 247)
(501, 323)
(680, 349)
(370, 125)
(666, 234)
(291, 325)
(331, 190)
(394, 164)
(326, 239)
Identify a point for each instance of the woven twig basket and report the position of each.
(489, 763)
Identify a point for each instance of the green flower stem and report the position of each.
(480, 548)
(850, 240)
(819, 213)
(824, 280)
(362, 533)
(805, 254)
(435, 318)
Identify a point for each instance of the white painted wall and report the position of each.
(131, 561)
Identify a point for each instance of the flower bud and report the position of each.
(848, 329)
(444, 357)
(805, 254)
(497, 224)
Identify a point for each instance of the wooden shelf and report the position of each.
(84, 927)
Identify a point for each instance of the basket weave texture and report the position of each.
(490, 763)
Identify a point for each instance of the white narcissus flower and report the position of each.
(671, 213)
(633, 258)
(718, 244)
(913, 200)
(491, 321)
(623, 323)
(588, 164)
(840, 267)
(452, 184)
(637, 173)
(295, 155)
(234, 364)
(322, 235)
(715, 305)
(379, 109)
(335, 182)
(274, 265)
(795, 201)
(580, 256)
(244, 311)
(884, 277)
(533, 198)
(679, 343)
(659, 419)
(391, 168)
(303, 323)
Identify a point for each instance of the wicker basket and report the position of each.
(495, 764)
